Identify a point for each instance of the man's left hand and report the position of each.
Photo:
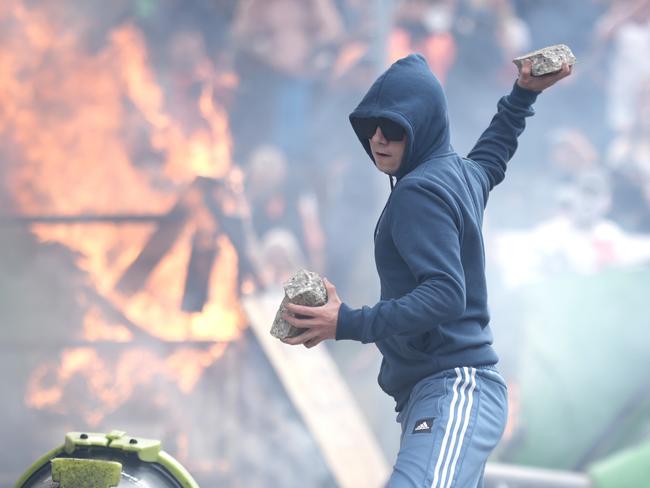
(319, 322)
(540, 83)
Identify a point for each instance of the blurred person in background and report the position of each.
(497, 23)
(598, 208)
(629, 163)
(624, 32)
(570, 154)
(625, 169)
(486, 35)
(189, 70)
(282, 224)
(283, 53)
(280, 255)
(281, 49)
(425, 27)
(579, 238)
(431, 324)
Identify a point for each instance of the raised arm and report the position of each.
(498, 143)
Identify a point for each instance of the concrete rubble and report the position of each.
(303, 288)
(548, 59)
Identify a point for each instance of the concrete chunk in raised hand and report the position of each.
(547, 60)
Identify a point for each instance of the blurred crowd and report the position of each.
(576, 200)
(286, 74)
(577, 195)
(579, 199)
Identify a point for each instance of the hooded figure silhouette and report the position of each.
(431, 324)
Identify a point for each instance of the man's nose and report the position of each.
(378, 136)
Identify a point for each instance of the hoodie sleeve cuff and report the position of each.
(348, 325)
(523, 96)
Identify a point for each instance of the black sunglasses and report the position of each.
(392, 130)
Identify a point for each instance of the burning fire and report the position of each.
(111, 387)
(90, 133)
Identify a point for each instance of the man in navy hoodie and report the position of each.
(431, 324)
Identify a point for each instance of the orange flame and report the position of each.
(75, 142)
(112, 387)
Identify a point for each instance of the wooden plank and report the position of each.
(321, 396)
(197, 281)
(157, 246)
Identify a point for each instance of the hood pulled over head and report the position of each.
(409, 94)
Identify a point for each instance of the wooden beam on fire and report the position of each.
(159, 243)
(198, 198)
(197, 281)
(201, 194)
(113, 312)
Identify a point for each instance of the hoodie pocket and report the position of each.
(424, 345)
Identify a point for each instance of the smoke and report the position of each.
(117, 113)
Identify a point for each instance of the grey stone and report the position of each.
(303, 288)
(548, 59)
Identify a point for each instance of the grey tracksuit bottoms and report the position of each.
(450, 425)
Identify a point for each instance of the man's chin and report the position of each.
(385, 168)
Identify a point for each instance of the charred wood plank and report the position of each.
(199, 269)
(158, 245)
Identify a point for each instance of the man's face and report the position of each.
(388, 154)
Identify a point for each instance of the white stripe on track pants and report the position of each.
(450, 425)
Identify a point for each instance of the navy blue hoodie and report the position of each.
(433, 313)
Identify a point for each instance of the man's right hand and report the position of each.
(540, 83)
